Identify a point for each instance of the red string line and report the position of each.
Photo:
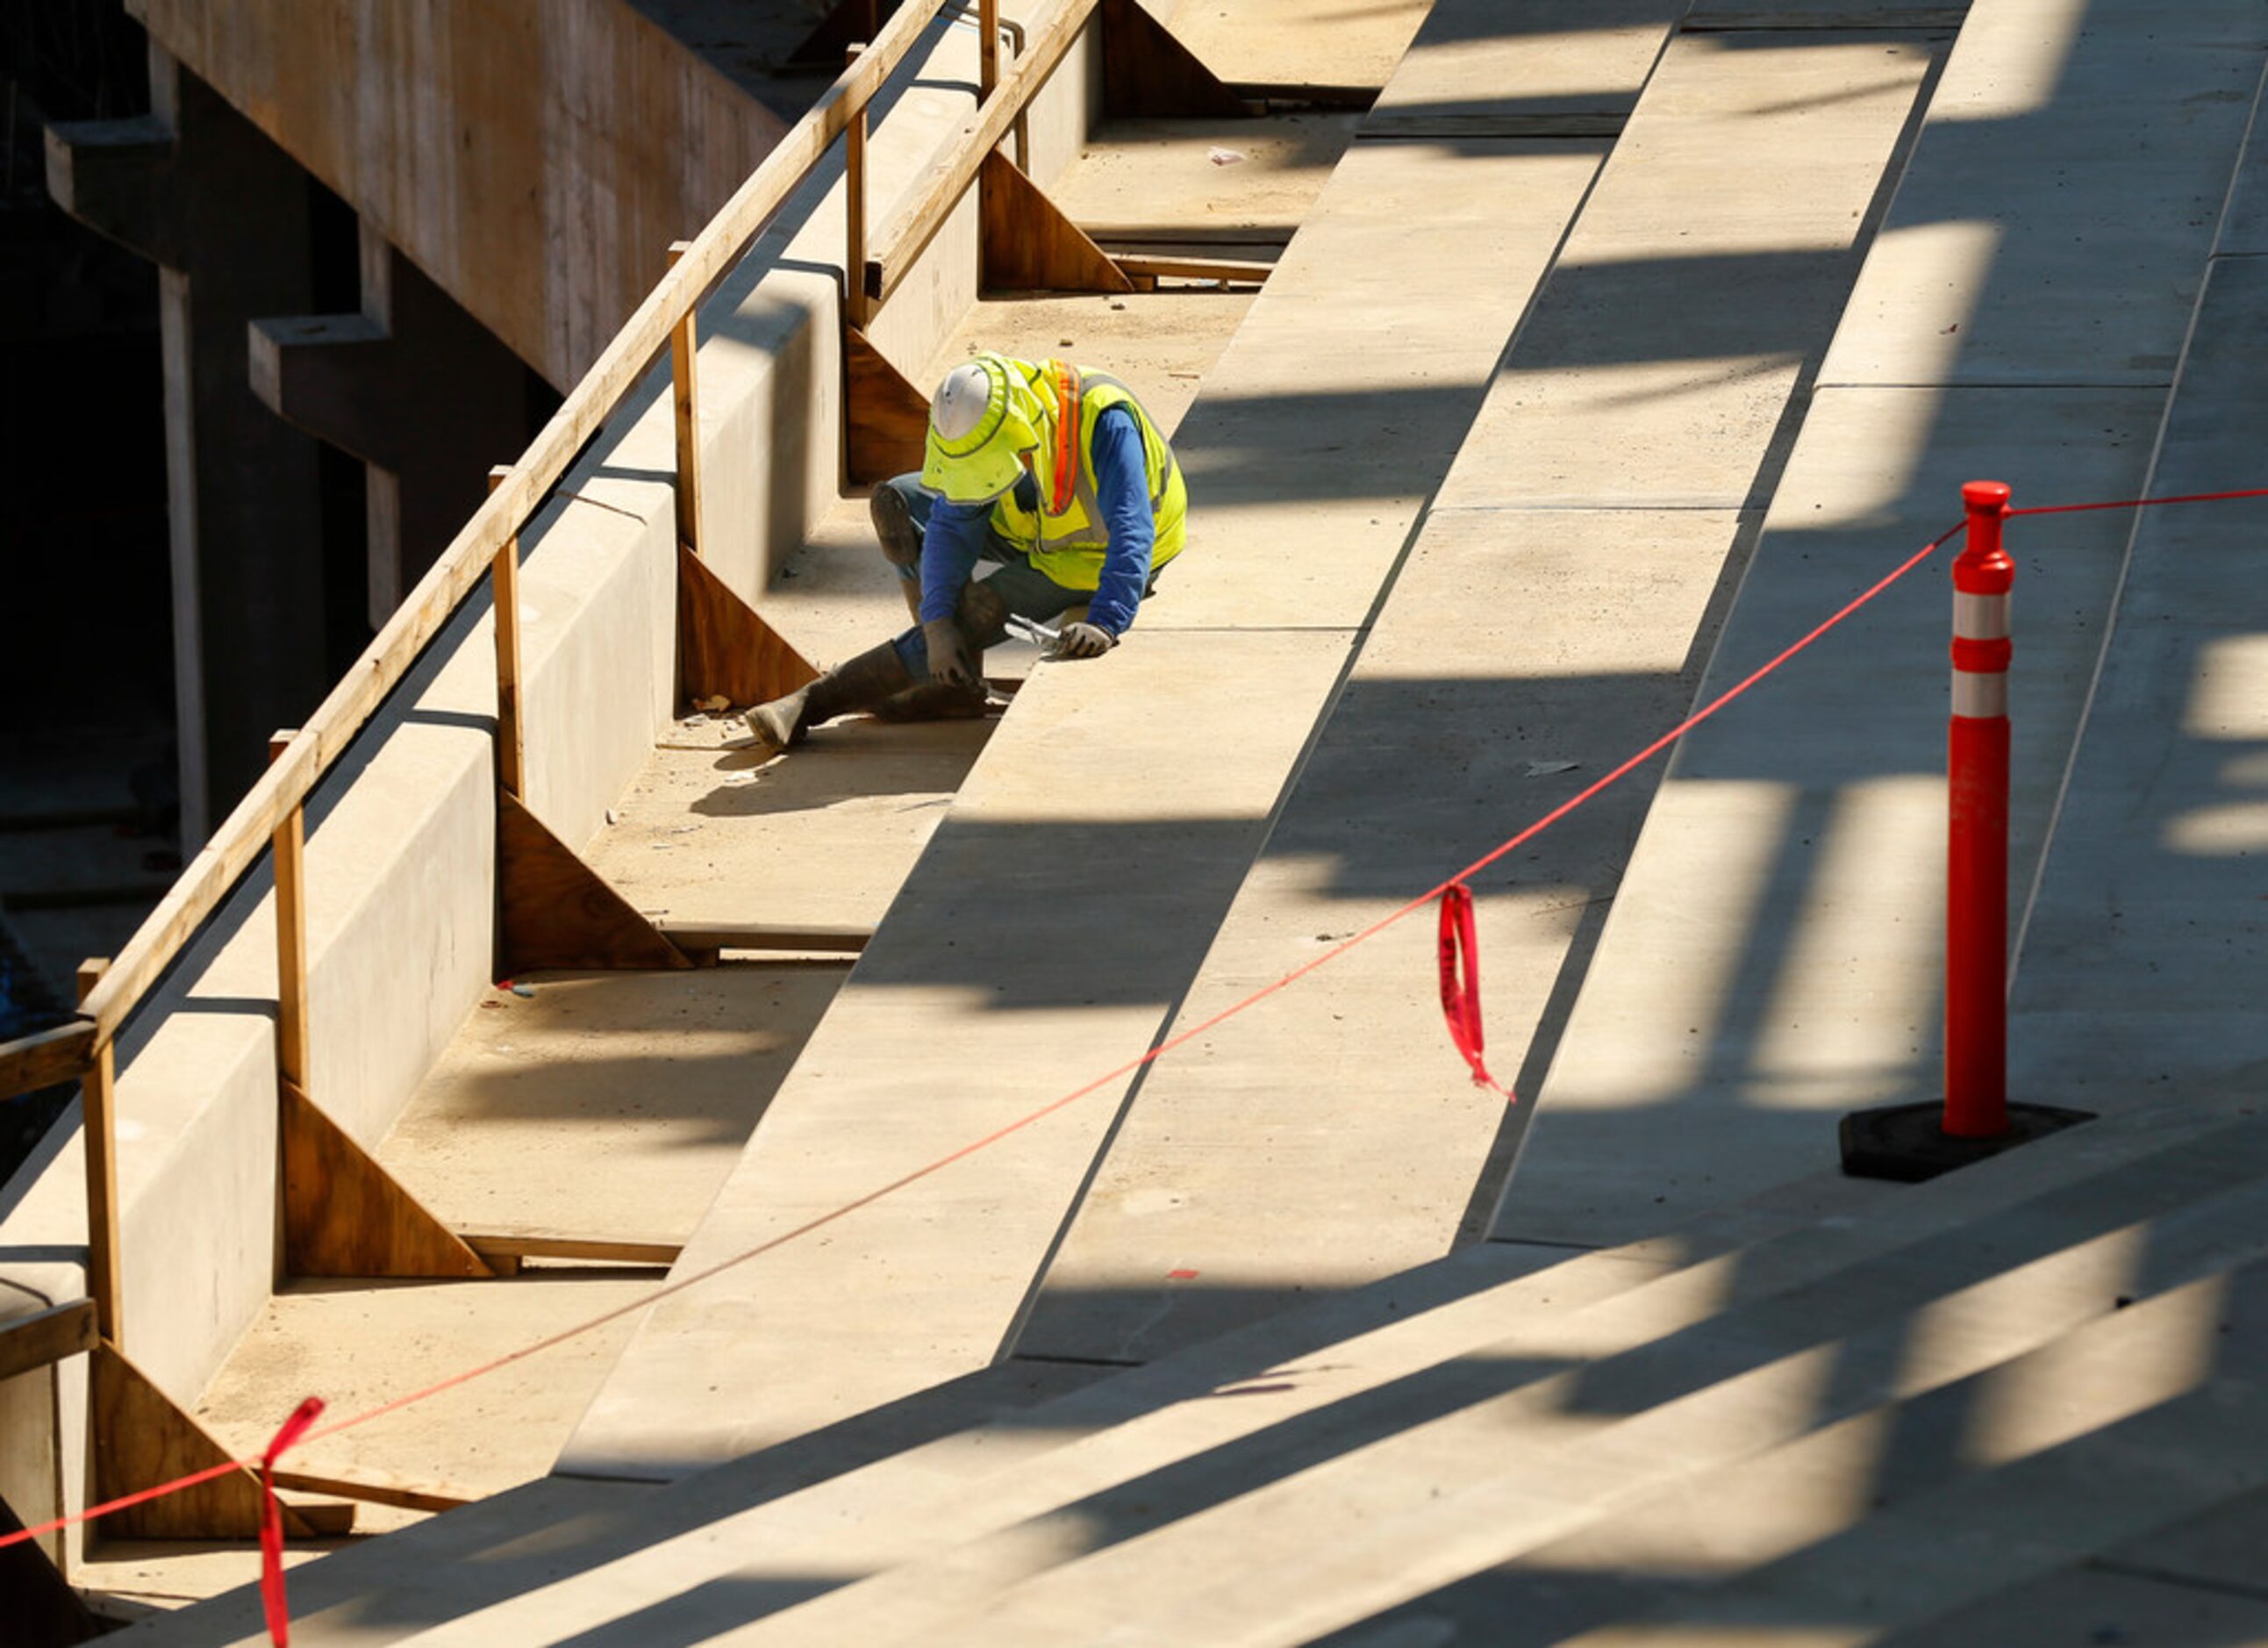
(1419, 902)
(2134, 503)
(179, 1484)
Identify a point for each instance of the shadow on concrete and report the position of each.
(1876, 1309)
(2193, 1217)
(857, 759)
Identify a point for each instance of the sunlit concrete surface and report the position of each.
(1261, 1345)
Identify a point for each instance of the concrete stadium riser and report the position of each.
(599, 623)
(896, 1077)
(767, 371)
(2143, 956)
(400, 851)
(1280, 569)
(945, 1514)
(1977, 345)
(2244, 219)
(400, 857)
(1278, 542)
(2002, 262)
(1564, 56)
(1689, 1433)
(1572, 1417)
(1558, 586)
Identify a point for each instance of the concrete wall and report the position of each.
(401, 850)
(534, 157)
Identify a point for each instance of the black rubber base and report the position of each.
(1906, 1141)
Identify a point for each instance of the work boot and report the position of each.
(901, 542)
(866, 683)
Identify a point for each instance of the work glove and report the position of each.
(1083, 640)
(948, 654)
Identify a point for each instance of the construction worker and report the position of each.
(1055, 474)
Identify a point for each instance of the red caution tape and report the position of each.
(271, 1522)
(1461, 996)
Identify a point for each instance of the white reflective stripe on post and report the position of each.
(1980, 694)
(1980, 697)
(1980, 617)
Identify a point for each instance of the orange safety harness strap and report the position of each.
(1067, 400)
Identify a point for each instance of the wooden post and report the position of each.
(288, 845)
(684, 339)
(855, 309)
(208, 879)
(988, 74)
(99, 1122)
(505, 575)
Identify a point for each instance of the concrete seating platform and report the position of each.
(1686, 1382)
(1068, 896)
(1565, 574)
(1775, 956)
(1523, 1440)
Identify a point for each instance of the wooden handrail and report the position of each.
(82, 1048)
(244, 835)
(950, 178)
(212, 874)
(45, 1058)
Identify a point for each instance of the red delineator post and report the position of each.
(1976, 836)
(1973, 1120)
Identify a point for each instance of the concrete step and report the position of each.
(1933, 1519)
(1084, 866)
(1308, 1527)
(2145, 943)
(946, 1499)
(883, 1487)
(1008, 1504)
(1774, 958)
(1540, 629)
(2142, 1315)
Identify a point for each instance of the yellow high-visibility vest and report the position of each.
(1066, 537)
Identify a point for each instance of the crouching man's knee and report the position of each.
(982, 616)
(895, 528)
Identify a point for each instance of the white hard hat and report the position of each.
(960, 401)
(982, 418)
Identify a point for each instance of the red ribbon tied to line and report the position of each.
(1461, 984)
(271, 1521)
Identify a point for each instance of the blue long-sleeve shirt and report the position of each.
(956, 534)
